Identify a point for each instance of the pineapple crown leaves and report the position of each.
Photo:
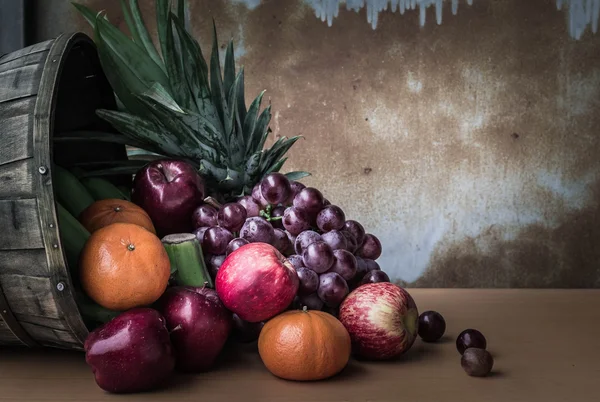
(177, 105)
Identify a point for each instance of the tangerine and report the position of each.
(113, 210)
(124, 266)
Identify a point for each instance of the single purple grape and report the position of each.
(252, 208)
(216, 240)
(309, 281)
(372, 265)
(344, 264)
(295, 188)
(277, 212)
(374, 277)
(331, 218)
(332, 289)
(258, 197)
(231, 216)
(296, 261)
(280, 241)
(214, 263)
(257, 230)
(295, 221)
(470, 338)
(371, 247)
(235, 244)
(318, 256)
(204, 215)
(275, 188)
(431, 326)
(200, 233)
(291, 237)
(357, 230)
(335, 239)
(350, 241)
(309, 200)
(326, 202)
(361, 269)
(304, 239)
(311, 301)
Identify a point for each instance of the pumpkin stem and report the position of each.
(305, 309)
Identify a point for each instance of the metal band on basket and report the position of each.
(12, 323)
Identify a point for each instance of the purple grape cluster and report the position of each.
(332, 255)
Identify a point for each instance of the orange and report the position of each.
(113, 210)
(124, 266)
(304, 345)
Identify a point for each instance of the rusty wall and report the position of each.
(470, 147)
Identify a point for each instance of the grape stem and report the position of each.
(212, 202)
(305, 309)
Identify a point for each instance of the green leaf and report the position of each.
(237, 144)
(241, 101)
(100, 136)
(143, 130)
(277, 166)
(112, 171)
(280, 148)
(87, 13)
(253, 164)
(143, 33)
(216, 82)
(159, 94)
(259, 135)
(250, 122)
(162, 24)
(130, 24)
(229, 70)
(297, 175)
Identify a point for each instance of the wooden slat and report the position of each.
(54, 336)
(38, 47)
(29, 295)
(16, 138)
(42, 321)
(28, 60)
(17, 107)
(24, 262)
(20, 225)
(6, 335)
(16, 179)
(19, 83)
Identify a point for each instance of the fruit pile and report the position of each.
(330, 254)
(210, 242)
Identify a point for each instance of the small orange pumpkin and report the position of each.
(105, 212)
(304, 345)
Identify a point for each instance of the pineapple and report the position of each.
(169, 105)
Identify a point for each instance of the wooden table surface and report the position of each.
(546, 345)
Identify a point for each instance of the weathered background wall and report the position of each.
(470, 147)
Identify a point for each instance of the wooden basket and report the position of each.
(46, 89)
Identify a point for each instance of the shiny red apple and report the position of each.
(256, 282)
(382, 320)
(199, 326)
(131, 353)
(169, 191)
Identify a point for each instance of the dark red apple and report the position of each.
(199, 324)
(256, 282)
(244, 331)
(382, 320)
(131, 353)
(169, 191)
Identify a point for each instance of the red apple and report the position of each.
(199, 326)
(256, 282)
(382, 320)
(131, 353)
(169, 191)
